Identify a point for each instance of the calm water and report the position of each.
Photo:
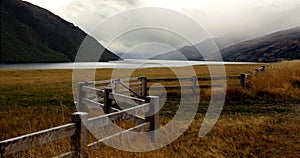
(127, 63)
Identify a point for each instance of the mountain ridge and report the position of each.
(191, 52)
(276, 46)
(31, 34)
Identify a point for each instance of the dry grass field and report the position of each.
(261, 121)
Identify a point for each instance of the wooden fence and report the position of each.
(81, 123)
(102, 95)
(195, 82)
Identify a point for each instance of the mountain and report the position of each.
(192, 53)
(32, 34)
(282, 45)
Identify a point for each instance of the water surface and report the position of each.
(127, 63)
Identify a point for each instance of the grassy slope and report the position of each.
(20, 42)
(257, 122)
(33, 34)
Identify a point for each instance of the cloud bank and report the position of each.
(233, 19)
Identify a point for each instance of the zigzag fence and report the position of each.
(107, 95)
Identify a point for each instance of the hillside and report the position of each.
(282, 45)
(191, 52)
(31, 34)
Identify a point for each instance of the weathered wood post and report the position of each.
(260, 69)
(152, 115)
(143, 86)
(194, 83)
(117, 85)
(80, 95)
(79, 140)
(107, 100)
(243, 78)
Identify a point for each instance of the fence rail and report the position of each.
(28, 141)
(77, 130)
(243, 78)
(107, 97)
(139, 128)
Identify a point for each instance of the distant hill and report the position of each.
(282, 45)
(191, 52)
(31, 34)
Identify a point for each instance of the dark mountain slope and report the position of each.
(32, 34)
(282, 45)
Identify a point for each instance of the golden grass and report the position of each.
(232, 136)
(32, 100)
(280, 79)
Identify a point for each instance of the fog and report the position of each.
(234, 20)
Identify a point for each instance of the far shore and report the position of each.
(127, 63)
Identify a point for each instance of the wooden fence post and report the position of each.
(194, 83)
(144, 86)
(117, 85)
(260, 69)
(79, 140)
(243, 78)
(152, 115)
(107, 100)
(80, 96)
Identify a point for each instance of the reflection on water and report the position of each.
(127, 63)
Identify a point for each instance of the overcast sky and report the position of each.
(235, 19)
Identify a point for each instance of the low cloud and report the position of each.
(233, 19)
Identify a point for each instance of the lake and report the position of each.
(127, 63)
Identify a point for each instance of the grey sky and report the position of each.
(235, 19)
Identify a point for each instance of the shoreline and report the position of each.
(124, 64)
